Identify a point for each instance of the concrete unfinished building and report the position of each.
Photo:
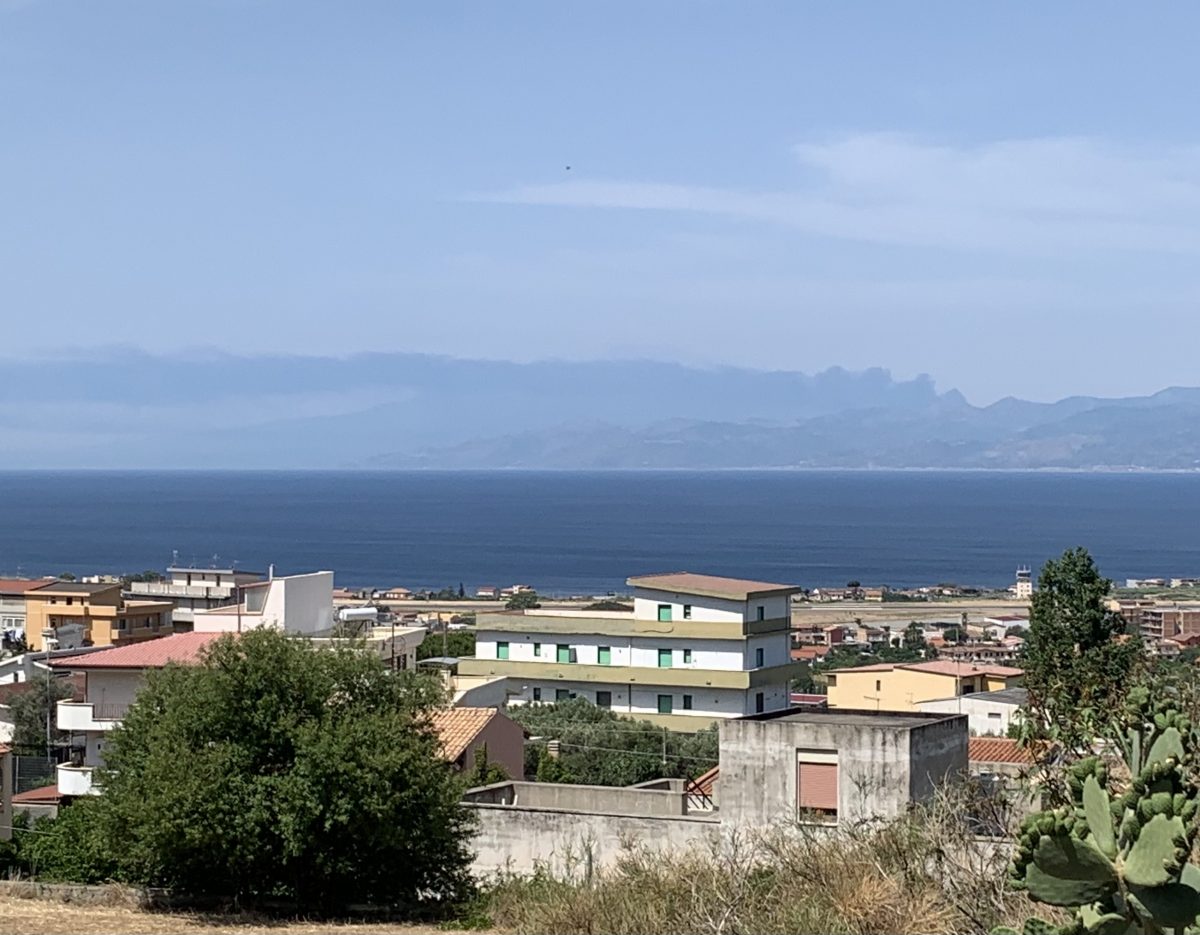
(818, 768)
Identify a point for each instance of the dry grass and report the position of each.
(48, 917)
(927, 874)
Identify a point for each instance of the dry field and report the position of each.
(20, 916)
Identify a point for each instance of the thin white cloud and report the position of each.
(1043, 196)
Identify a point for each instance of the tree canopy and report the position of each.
(523, 600)
(599, 747)
(34, 721)
(458, 643)
(277, 770)
(1077, 658)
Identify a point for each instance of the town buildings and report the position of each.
(12, 604)
(694, 648)
(989, 714)
(193, 589)
(69, 614)
(1023, 589)
(891, 686)
(301, 605)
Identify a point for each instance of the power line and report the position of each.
(657, 755)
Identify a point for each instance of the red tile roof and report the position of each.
(458, 728)
(940, 667)
(45, 795)
(684, 582)
(811, 652)
(799, 698)
(21, 585)
(183, 648)
(998, 750)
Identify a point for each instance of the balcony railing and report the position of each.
(84, 716)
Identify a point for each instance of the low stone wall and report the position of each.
(568, 797)
(520, 840)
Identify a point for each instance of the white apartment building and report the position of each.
(695, 648)
(195, 589)
(301, 605)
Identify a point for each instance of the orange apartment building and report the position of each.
(68, 614)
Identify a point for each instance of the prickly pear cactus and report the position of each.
(1121, 860)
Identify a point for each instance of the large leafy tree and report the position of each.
(276, 770)
(1078, 659)
(33, 712)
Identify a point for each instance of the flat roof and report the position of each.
(1013, 696)
(75, 587)
(686, 582)
(902, 720)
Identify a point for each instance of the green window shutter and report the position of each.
(665, 704)
(501, 650)
(687, 702)
(604, 655)
(664, 612)
(664, 658)
(687, 655)
(561, 694)
(758, 658)
(564, 653)
(537, 649)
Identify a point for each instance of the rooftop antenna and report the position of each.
(174, 557)
(215, 559)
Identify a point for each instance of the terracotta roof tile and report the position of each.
(21, 585)
(183, 648)
(458, 728)
(45, 795)
(998, 750)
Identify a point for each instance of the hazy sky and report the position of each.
(1006, 196)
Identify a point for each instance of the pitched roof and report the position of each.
(458, 728)
(733, 589)
(21, 585)
(998, 750)
(183, 648)
(44, 795)
(74, 588)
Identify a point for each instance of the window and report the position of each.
(687, 702)
(758, 658)
(604, 655)
(687, 611)
(664, 612)
(537, 649)
(603, 699)
(561, 694)
(878, 685)
(687, 656)
(759, 703)
(537, 694)
(664, 658)
(817, 785)
(502, 650)
(665, 704)
(121, 623)
(563, 653)
(70, 601)
(762, 612)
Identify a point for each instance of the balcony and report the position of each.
(76, 780)
(82, 716)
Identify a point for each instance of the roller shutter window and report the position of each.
(817, 788)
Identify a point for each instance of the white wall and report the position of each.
(298, 604)
(707, 703)
(709, 609)
(723, 655)
(984, 717)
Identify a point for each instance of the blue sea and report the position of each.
(584, 533)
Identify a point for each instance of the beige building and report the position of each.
(902, 686)
(70, 614)
(694, 649)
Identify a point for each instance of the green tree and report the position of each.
(523, 600)
(599, 747)
(277, 770)
(483, 771)
(1078, 659)
(34, 721)
(458, 643)
(914, 639)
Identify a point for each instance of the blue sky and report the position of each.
(1003, 196)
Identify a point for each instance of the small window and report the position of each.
(687, 611)
(603, 699)
(665, 705)
(604, 655)
(563, 652)
(537, 694)
(502, 650)
(762, 612)
(759, 703)
(758, 658)
(664, 658)
(687, 656)
(687, 702)
(561, 694)
(537, 649)
(994, 715)
(70, 601)
(664, 612)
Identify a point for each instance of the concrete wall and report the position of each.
(937, 753)
(505, 742)
(522, 839)
(712, 609)
(708, 704)
(726, 655)
(984, 717)
(875, 764)
(609, 800)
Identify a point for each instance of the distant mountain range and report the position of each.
(127, 409)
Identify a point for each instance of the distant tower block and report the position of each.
(1024, 587)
